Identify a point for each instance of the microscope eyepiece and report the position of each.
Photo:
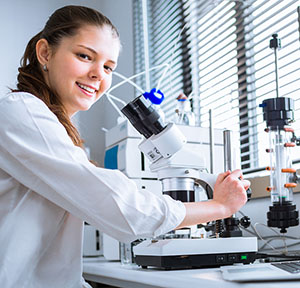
(144, 118)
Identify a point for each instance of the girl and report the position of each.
(48, 186)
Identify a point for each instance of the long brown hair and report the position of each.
(64, 22)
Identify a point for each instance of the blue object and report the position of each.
(155, 96)
(262, 105)
(111, 158)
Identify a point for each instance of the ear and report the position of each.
(43, 51)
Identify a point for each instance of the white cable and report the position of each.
(109, 98)
(129, 81)
(172, 59)
(163, 75)
(280, 247)
(116, 98)
(134, 76)
(265, 240)
(191, 96)
(270, 238)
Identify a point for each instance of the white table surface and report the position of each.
(113, 273)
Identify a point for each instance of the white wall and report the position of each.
(20, 20)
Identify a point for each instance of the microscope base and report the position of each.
(195, 253)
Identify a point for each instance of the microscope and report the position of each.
(181, 172)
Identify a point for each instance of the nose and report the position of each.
(97, 72)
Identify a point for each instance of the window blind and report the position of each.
(167, 45)
(262, 19)
(219, 54)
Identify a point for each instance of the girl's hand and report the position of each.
(230, 191)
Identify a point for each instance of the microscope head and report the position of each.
(143, 116)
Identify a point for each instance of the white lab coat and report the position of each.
(48, 188)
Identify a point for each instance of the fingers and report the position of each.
(239, 174)
(236, 174)
(222, 176)
(246, 184)
(230, 190)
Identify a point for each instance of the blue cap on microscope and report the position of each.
(155, 96)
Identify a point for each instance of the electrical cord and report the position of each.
(268, 256)
(281, 247)
(268, 239)
(283, 237)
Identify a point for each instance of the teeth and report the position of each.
(91, 90)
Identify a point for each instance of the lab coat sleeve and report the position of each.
(38, 153)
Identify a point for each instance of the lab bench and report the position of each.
(113, 273)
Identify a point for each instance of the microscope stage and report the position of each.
(195, 253)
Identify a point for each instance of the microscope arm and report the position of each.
(165, 147)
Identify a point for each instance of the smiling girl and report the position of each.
(48, 187)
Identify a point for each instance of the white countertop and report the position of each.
(131, 276)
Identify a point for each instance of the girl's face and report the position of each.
(80, 69)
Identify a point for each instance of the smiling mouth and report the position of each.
(86, 88)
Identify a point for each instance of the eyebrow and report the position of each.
(94, 52)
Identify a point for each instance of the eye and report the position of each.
(84, 56)
(109, 69)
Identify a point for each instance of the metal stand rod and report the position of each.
(211, 141)
(275, 44)
(276, 73)
(227, 137)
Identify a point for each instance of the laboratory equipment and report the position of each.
(230, 227)
(122, 153)
(183, 112)
(181, 172)
(279, 114)
(92, 241)
(96, 243)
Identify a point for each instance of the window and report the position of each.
(167, 44)
(219, 55)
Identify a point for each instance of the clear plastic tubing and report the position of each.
(281, 170)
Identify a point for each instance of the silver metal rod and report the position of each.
(228, 163)
(211, 141)
(276, 72)
(227, 137)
